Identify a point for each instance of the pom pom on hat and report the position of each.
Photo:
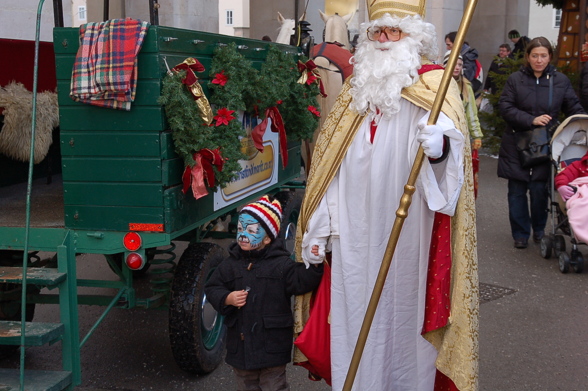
(446, 57)
(268, 213)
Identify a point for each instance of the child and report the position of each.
(260, 327)
(572, 185)
(577, 169)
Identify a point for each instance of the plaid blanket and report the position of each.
(105, 69)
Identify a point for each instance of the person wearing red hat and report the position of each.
(253, 289)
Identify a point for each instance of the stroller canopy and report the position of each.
(572, 131)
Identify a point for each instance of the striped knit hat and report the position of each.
(268, 213)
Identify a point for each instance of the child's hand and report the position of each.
(565, 192)
(237, 298)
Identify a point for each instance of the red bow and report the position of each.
(190, 65)
(277, 127)
(202, 170)
(310, 74)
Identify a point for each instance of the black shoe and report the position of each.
(520, 243)
(537, 236)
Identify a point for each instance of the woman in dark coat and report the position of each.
(524, 104)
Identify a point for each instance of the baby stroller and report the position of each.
(568, 144)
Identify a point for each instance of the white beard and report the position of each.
(380, 75)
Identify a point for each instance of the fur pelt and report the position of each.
(15, 136)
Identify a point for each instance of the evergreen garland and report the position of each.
(235, 85)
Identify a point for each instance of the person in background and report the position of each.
(471, 111)
(497, 66)
(469, 101)
(253, 289)
(524, 104)
(469, 56)
(520, 43)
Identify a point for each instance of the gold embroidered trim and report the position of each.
(377, 9)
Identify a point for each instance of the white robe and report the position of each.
(357, 215)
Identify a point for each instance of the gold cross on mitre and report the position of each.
(377, 8)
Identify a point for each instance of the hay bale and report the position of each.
(15, 136)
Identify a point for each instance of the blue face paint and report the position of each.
(249, 231)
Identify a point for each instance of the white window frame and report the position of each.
(82, 12)
(229, 17)
(556, 18)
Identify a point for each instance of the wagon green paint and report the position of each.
(117, 168)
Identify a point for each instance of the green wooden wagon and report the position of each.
(119, 194)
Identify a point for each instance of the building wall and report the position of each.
(264, 16)
(240, 26)
(199, 15)
(18, 19)
(542, 22)
(116, 10)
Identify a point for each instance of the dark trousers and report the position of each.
(521, 221)
(266, 379)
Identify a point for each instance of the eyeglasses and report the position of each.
(373, 33)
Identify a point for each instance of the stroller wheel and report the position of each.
(564, 262)
(559, 244)
(546, 246)
(577, 261)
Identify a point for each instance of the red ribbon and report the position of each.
(277, 127)
(190, 77)
(312, 74)
(202, 171)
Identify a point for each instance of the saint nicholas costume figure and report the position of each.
(424, 335)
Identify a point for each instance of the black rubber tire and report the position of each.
(546, 246)
(577, 262)
(559, 244)
(11, 310)
(291, 203)
(197, 334)
(564, 262)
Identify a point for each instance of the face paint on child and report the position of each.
(250, 233)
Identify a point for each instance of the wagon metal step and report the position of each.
(38, 276)
(34, 380)
(36, 333)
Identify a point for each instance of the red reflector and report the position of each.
(134, 261)
(146, 227)
(132, 241)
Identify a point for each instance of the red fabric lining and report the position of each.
(23, 52)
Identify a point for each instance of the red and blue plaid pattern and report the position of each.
(105, 69)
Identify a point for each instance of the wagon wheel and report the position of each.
(291, 202)
(196, 330)
(546, 246)
(559, 244)
(564, 262)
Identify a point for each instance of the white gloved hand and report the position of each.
(307, 253)
(431, 139)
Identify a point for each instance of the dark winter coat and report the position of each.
(577, 169)
(469, 56)
(525, 97)
(520, 46)
(497, 66)
(260, 334)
